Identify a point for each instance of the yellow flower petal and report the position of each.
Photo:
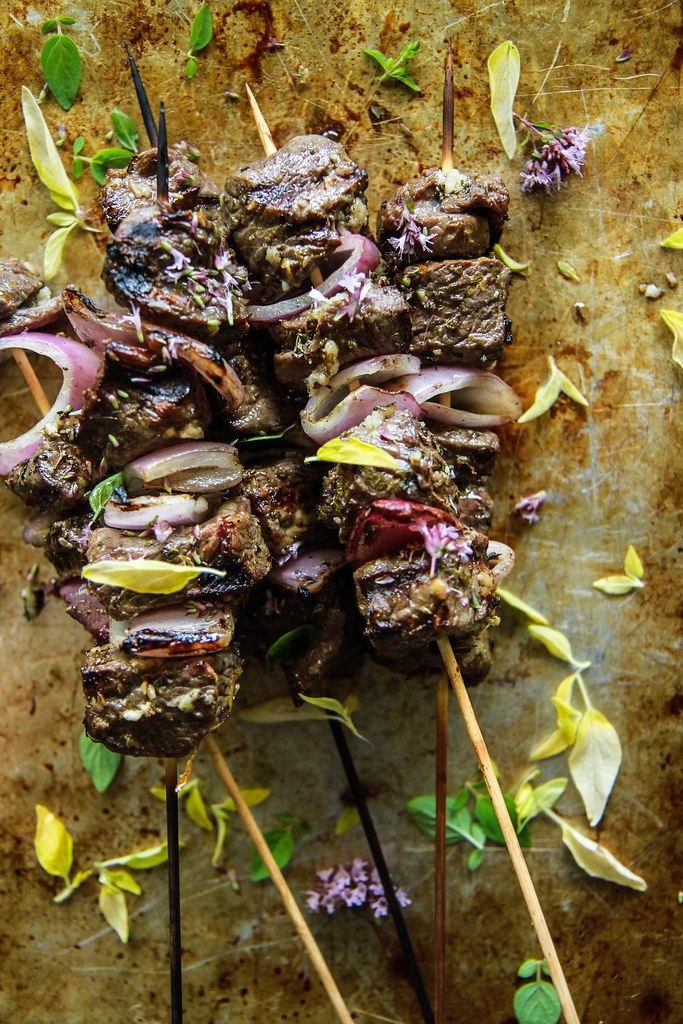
(521, 606)
(674, 320)
(674, 241)
(145, 575)
(54, 846)
(504, 67)
(355, 453)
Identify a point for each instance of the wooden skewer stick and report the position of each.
(34, 385)
(278, 881)
(509, 834)
(447, 150)
(269, 147)
(174, 942)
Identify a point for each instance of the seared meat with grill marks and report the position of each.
(463, 215)
(320, 341)
(138, 404)
(57, 477)
(423, 475)
(476, 509)
(406, 606)
(470, 453)
(66, 544)
(285, 213)
(136, 185)
(18, 282)
(154, 707)
(32, 315)
(473, 657)
(266, 408)
(284, 493)
(230, 541)
(457, 309)
(175, 265)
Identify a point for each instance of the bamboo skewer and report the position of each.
(34, 385)
(509, 834)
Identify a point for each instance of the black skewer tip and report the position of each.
(162, 158)
(145, 108)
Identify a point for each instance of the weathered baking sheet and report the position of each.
(612, 476)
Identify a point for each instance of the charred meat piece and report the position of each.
(284, 493)
(57, 477)
(138, 404)
(460, 216)
(266, 408)
(66, 544)
(32, 315)
(18, 282)
(473, 657)
(342, 331)
(136, 185)
(470, 453)
(230, 541)
(84, 607)
(286, 212)
(176, 267)
(406, 606)
(156, 707)
(457, 310)
(476, 509)
(423, 475)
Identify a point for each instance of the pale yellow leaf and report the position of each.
(504, 67)
(557, 643)
(632, 563)
(280, 709)
(61, 219)
(538, 800)
(347, 820)
(145, 575)
(513, 265)
(674, 241)
(356, 453)
(674, 321)
(567, 270)
(54, 846)
(115, 909)
(594, 762)
(119, 879)
(140, 860)
(521, 606)
(566, 385)
(564, 690)
(616, 584)
(251, 797)
(548, 393)
(554, 744)
(596, 860)
(54, 250)
(45, 155)
(196, 809)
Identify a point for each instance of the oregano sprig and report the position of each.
(396, 68)
(200, 37)
(60, 61)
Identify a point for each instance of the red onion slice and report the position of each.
(79, 366)
(35, 531)
(149, 510)
(503, 558)
(312, 570)
(480, 399)
(392, 525)
(353, 409)
(178, 631)
(82, 605)
(360, 255)
(376, 370)
(94, 324)
(198, 466)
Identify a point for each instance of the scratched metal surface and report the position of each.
(612, 476)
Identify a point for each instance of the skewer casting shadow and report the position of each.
(145, 108)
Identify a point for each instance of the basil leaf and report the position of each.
(202, 29)
(290, 646)
(106, 158)
(102, 492)
(100, 764)
(61, 63)
(281, 844)
(125, 129)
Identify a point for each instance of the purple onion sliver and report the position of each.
(312, 571)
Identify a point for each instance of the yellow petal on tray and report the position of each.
(632, 563)
(521, 606)
(617, 584)
(53, 843)
(549, 392)
(674, 321)
(504, 67)
(145, 575)
(674, 241)
(355, 453)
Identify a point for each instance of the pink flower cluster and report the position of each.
(440, 538)
(351, 885)
(555, 160)
(411, 235)
(528, 507)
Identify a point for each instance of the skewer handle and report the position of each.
(509, 834)
(266, 138)
(34, 385)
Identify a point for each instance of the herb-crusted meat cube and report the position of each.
(471, 453)
(266, 408)
(18, 282)
(57, 477)
(286, 212)
(457, 310)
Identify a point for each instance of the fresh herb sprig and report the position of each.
(200, 37)
(60, 61)
(396, 68)
(537, 1002)
(126, 132)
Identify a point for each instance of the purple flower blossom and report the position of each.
(558, 158)
(351, 885)
(180, 262)
(411, 235)
(528, 507)
(162, 530)
(357, 287)
(134, 318)
(440, 538)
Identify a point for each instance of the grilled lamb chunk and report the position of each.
(231, 541)
(136, 185)
(176, 267)
(470, 453)
(318, 342)
(457, 309)
(57, 477)
(18, 282)
(84, 607)
(476, 509)
(286, 212)
(406, 607)
(156, 707)
(266, 408)
(284, 492)
(66, 544)
(140, 403)
(32, 315)
(464, 216)
(473, 657)
(423, 475)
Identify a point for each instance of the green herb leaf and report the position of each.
(342, 712)
(475, 859)
(280, 842)
(378, 56)
(145, 575)
(106, 158)
(521, 606)
(77, 167)
(54, 249)
(280, 709)
(202, 29)
(514, 266)
(115, 909)
(504, 67)
(355, 453)
(141, 860)
(594, 859)
(486, 816)
(78, 144)
(396, 68)
(191, 68)
(595, 761)
(101, 764)
(54, 846)
(61, 63)
(102, 492)
(567, 270)
(48, 26)
(459, 825)
(265, 437)
(528, 968)
(537, 1003)
(674, 241)
(674, 321)
(125, 129)
(45, 155)
(290, 646)
(557, 643)
(531, 802)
